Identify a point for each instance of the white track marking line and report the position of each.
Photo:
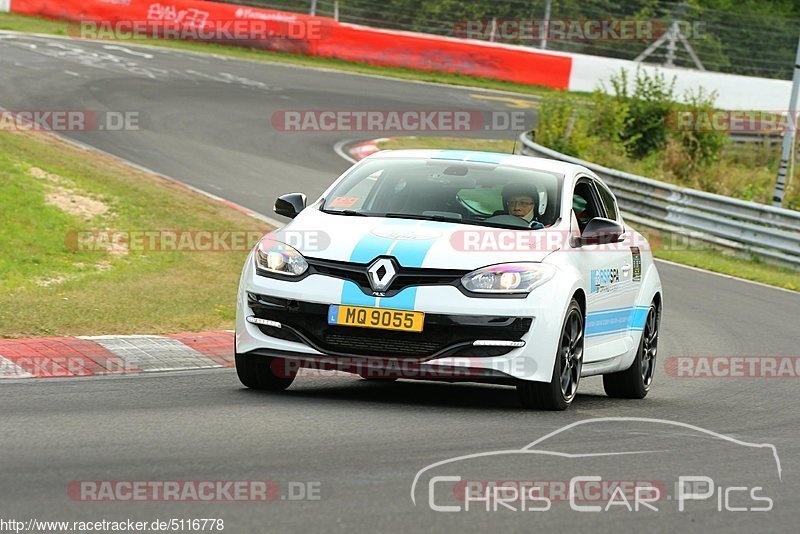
(128, 51)
(338, 147)
(176, 51)
(154, 353)
(729, 276)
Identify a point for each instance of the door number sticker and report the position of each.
(637, 264)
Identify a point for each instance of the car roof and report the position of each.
(498, 158)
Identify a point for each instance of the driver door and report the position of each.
(606, 272)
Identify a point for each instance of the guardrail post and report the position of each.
(546, 26)
(788, 135)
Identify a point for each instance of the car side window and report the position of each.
(586, 204)
(609, 202)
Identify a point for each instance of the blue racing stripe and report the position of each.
(616, 320)
(470, 156)
(353, 296)
(407, 252)
(370, 247)
(405, 300)
(411, 253)
(639, 317)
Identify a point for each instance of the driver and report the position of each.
(521, 200)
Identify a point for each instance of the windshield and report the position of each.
(470, 193)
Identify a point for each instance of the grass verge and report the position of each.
(50, 190)
(665, 245)
(24, 23)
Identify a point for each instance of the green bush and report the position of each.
(610, 116)
(651, 101)
(563, 125)
(634, 129)
(702, 147)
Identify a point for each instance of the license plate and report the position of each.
(407, 321)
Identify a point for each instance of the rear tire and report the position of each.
(259, 372)
(559, 393)
(635, 382)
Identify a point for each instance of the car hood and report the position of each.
(428, 244)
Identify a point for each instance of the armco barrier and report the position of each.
(328, 38)
(748, 226)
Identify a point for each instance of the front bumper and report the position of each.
(444, 350)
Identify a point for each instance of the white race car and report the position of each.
(457, 266)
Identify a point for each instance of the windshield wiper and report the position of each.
(352, 213)
(442, 218)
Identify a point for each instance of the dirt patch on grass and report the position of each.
(75, 204)
(47, 282)
(62, 193)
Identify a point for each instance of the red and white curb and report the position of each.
(366, 148)
(107, 355)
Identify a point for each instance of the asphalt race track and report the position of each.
(206, 121)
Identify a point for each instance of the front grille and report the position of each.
(373, 345)
(406, 276)
(442, 335)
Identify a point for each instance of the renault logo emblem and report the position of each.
(381, 274)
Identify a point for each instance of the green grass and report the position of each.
(725, 262)
(24, 23)
(48, 288)
(665, 245)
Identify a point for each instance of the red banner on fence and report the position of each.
(302, 34)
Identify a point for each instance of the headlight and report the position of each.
(276, 257)
(508, 278)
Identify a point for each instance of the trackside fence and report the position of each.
(766, 231)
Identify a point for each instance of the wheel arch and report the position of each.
(580, 295)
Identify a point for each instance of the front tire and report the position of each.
(559, 393)
(264, 372)
(635, 382)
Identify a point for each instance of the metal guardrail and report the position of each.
(763, 230)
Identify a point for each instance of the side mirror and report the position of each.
(290, 205)
(600, 231)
